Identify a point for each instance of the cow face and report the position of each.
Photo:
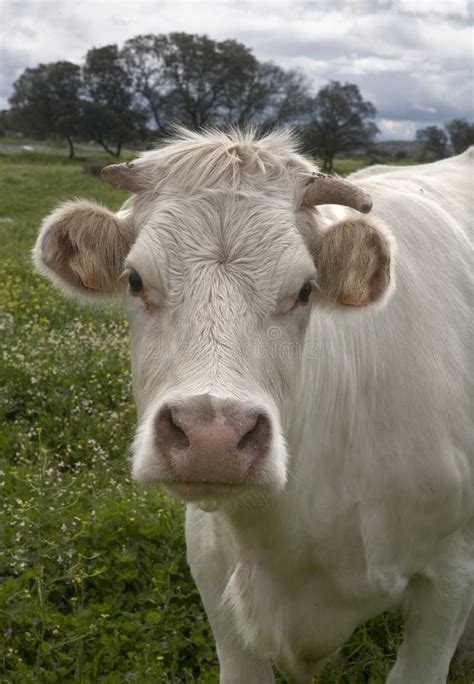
(218, 287)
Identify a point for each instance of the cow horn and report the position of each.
(123, 177)
(323, 189)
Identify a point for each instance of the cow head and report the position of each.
(220, 257)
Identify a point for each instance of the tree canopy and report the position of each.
(46, 101)
(433, 140)
(110, 113)
(339, 120)
(191, 79)
(153, 83)
(461, 134)
(128, 94)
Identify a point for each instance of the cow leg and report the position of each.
(436, 614)
(466, 645)
(210, 572)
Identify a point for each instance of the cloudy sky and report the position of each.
(412, 58)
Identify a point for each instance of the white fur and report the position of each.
(369, 496)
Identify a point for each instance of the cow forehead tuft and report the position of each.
(227, 160)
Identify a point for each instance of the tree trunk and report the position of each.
(106, 147)
(119, 148)
(154, 111)
(328, 163)
(71, 146)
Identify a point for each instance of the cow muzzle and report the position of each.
(205, 442)
(207, 448)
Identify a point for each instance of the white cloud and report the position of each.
(454, 8)
(421, 108)
(412, 58)
(400, 129)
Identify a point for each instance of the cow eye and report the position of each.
(304, 293)
(135, 282)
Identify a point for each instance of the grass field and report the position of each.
(94, 582)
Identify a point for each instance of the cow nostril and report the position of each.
(258, 437)
(177, 434)
(212, 441)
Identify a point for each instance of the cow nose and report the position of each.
(205, 439)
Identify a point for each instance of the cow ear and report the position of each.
(81, 248)
(354, 260)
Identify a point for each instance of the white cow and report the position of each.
(302, 377)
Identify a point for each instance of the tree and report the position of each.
(461, 134)
(201, 74)
(6, 124)
(287, 94)
(265, 94)
(197, 81)
(46, 101)
(240, 94)
(339, 120)
(143, 60)
(433, 140)
(109, 114)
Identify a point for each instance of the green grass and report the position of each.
(20, 141)
(344, 167)
(94, 584)
(54, 152)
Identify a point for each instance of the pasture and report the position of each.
(94, 581)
